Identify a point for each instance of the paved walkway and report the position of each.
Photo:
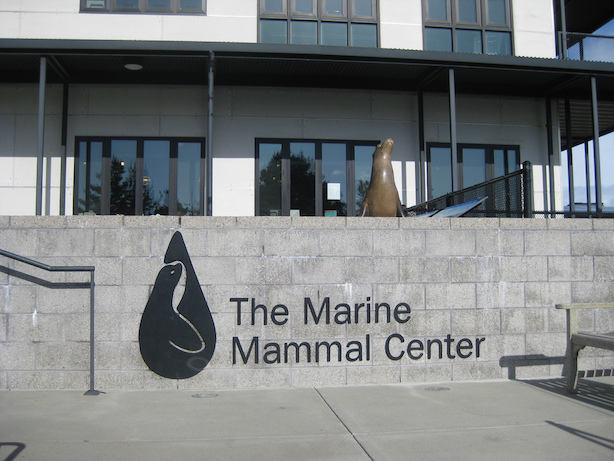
(500, 420)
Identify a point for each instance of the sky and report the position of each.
(606, 143)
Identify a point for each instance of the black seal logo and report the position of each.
(177, 342)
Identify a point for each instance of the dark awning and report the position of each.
(186, 63)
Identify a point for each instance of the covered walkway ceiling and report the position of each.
(181, 63)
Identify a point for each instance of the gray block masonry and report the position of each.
(300, 302)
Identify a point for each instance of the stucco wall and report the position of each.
(468, 283)
(240, 116)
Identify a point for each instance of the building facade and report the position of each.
(226, 98)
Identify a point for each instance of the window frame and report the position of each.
(105, 173)
(454, 24)
(319, 17)
(285, 172)
(143, 8)
(489, 166)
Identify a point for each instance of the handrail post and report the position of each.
(527, 183)
(92, 390)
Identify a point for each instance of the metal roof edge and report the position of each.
(302, 52)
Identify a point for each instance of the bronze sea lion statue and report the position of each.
(382, 197)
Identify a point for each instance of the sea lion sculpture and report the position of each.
(382, 197)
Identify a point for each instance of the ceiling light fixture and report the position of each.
(133, 64)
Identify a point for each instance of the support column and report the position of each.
(422, 159)
(42, 83)
(563, 29)
(453, 141)
(208, 208)
(551, 185)
(63, 149)
(595, 112)
(570, 172)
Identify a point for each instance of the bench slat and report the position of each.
(593, 340)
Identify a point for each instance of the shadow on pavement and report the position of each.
(18, 448)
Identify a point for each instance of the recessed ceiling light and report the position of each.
(133, 66)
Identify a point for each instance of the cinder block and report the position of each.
(23, 242)
(116, 299)
(543, 294)
(17, 356)
(38, 222)
(76, 380)
(357, 375)
(141, 271)
(319, 222)
(346, 243)
(108, 326)
(36, 327)
(207, 222)
(51, 380)
(258, 377)
(548, 345)
(459, 242)
(474, 269)
(62, 301)
(264, 222)
(571, 224)
(500, 294)
(475, 223)
(94, 222)
(450, 296)
(108, 271)
(216, 270)
(373, 270)
(263, 270)
(109, 355)
(77, 327)
(291, 242)
(65, 242)
(550, 243)
(151, 222)
(410, 293)
(513, 321)
(476, 371)
(596, 243)
(62, 356)
(20, 299)
(425, 269)
(195, 241)
(319, 377)
(601, 224)
(604, 268)
(428, 373)
(146, 380)
(234, 242)
(425, 224)
(399, 243)
(318, 270)
(511, 242)
(130, 327)
(572, 268)
(476, 322)
(523, 223)
(524, 268)
(436, 322)
(209, 379)
(596, 292)
(370, 222)
(536, 320)
(122, 242)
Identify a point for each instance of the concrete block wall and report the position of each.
(459, 287)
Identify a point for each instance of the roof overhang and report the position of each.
(252, 64)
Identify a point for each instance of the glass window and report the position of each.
(467, 11)
(363, 8)
(334, 33)
(159, 5)
(438, 10)
(156, 155)
(190, 5)
(96, 4)
(334, 7)
(89, 177)
(127, 4)
(438, 39)
(274, 6)
(304, 6)
(273, 31)
(498, 43)
(270, 157)
(302, 178)
(468, 41)
(364, 35)
(188, 174)
(334, 174)
(304, 32)
(440, 171)
(474, 166)
(497, 13)
(363, 161)
(123, 177)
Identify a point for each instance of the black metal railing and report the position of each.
(90, 285)
(509, 196)
(588, 47)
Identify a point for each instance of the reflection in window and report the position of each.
(364, 35)
(334, 33)
(498, 43)
(90, 168)
(273, 31)
(440, 171)
(363, 8)
(270, 179)
(302, 178)
(438, 39)
(497, 13)
(156, 157)
(334, 184)
(474, 166)
(159, 5)
(438, 10)
(304, 32)
(188, 174)
(304, 6)
(123, 177)
(467, 11)
(468, 41)
(363, 160)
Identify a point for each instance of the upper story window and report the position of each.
(468, 26)
(144, 6)
(319, 22)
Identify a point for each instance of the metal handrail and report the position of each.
(90, 269)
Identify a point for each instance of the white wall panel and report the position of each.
(534, 28)
(401, 24)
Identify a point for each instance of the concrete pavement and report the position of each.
(478, 420)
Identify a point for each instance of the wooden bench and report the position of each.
(578, 340)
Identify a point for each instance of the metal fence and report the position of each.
(509, 196)
(589, 47)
